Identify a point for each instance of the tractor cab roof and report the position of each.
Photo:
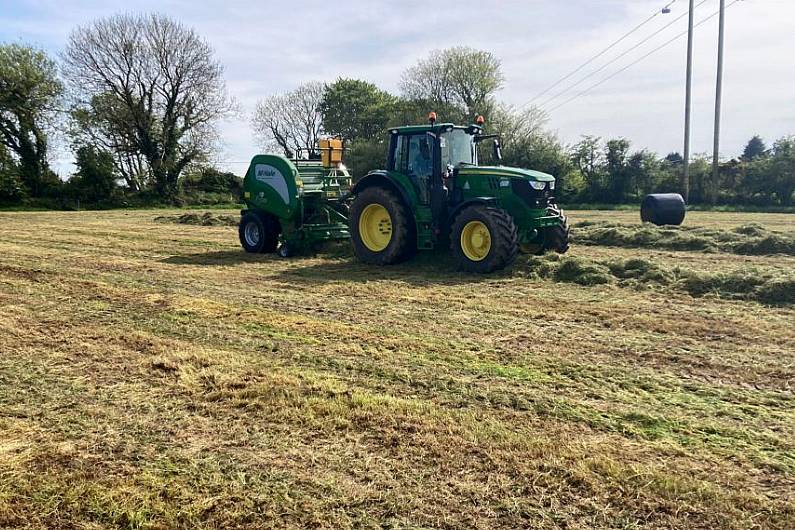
(435, 128)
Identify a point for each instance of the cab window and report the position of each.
(457, 148)
(420, 155)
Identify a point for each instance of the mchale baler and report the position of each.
(294, 204)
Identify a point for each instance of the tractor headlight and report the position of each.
(538, 186)
(552, 185)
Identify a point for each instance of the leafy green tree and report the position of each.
(365, 155)
(782, 170)
(643, 170)
(11, 191)
(356, 110)
(95, 178)
(700, 178)
(754, 149)
(460, 76)
(728, 189)
(29, 94)
(674, 159)
(616, 153)
(205, 183)
(588, 157)
(756, 181)
(153, 83)
(770, 178)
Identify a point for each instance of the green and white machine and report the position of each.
(293, 204)
(433, 193)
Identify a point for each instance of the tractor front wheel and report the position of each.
(381, 228)
(259, 232)
(557, 238)
(483, 239)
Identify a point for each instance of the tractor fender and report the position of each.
(485, 201)
(383, 179)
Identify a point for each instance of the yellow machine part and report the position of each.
(330, 151)
(476, 240)
(375, 227)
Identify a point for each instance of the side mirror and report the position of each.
(497, 150)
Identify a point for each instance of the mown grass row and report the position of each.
(749, 239)
(761, 285)
(764, 286)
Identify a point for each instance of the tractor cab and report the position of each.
(420, 152)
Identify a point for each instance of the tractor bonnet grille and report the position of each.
(532, 197)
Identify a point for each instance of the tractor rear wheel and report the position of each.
(557, 238)
(484, 239)
(381, 228)
(259, 232)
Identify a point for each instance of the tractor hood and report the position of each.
(505, 171)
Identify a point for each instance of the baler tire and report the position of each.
(557, 238)
(403, 240)
(268, 229)
(503, 237)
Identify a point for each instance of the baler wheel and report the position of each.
(259, 232)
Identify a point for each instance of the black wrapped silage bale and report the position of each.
(663, 209)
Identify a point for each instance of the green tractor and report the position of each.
(433, 193)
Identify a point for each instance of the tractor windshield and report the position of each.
(457, 148)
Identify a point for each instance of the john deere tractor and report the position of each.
(433, 193)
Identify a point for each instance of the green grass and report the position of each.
(154, 376)
(750, 239)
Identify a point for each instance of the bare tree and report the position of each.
(459, 76)
(151, 87)
(88, 125)
(292, 121)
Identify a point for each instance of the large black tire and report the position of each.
(403, 240)
(557, 238)
(503, 239)
(259, 232)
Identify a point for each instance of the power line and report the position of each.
(620, 56)
(600, 54)
(627, 67)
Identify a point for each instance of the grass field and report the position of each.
(154, 376)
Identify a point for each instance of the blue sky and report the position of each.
(268, 47)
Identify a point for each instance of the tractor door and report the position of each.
(414, 155)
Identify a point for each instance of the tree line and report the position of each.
(137, 100)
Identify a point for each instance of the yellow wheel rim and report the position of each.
(475, 240)
(375, 227)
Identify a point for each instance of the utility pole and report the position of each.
(718, 96)
(684, 184)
